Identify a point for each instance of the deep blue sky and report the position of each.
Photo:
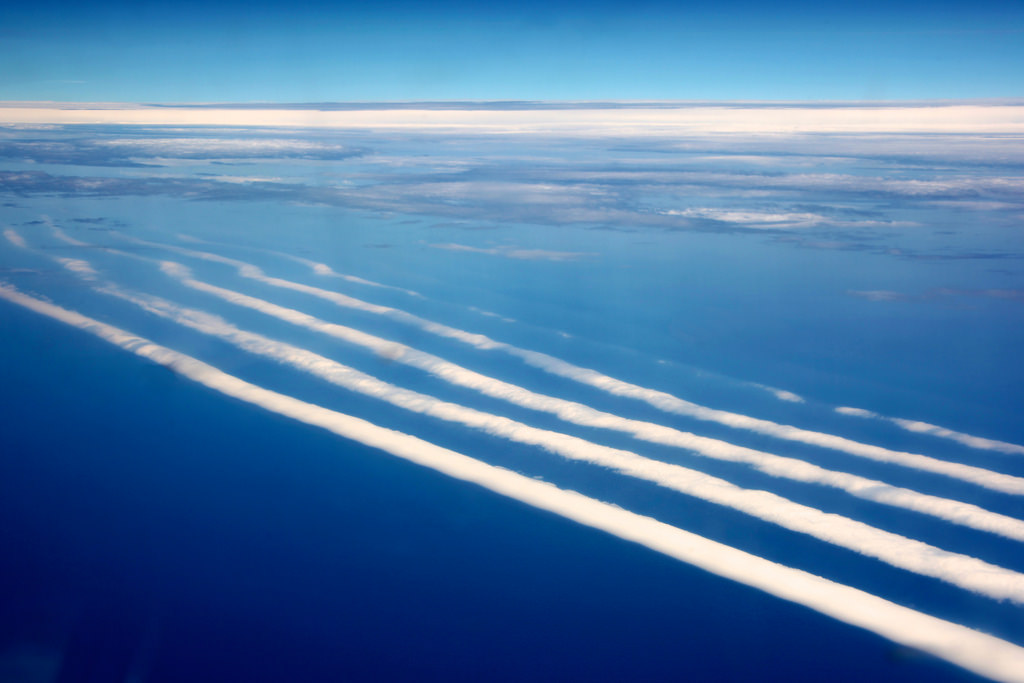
(309, 51)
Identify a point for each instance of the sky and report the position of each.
(738, 284)
(309, 51)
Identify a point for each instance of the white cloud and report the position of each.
(878, 295)
(546, 255)
(918, 427)
(14, 238)
(66, 238)
(782, 394)
(465, 247)
(579, 414)
(584, 120)
(490, 314)
(960, 437)
(879, 492)
(317, 267)
(751, 218)
(996, 481)
(756, 184)
(516, 253)
(175, 270)
(975, 651)
(242, 179)
(79, 267)
(856, 412)
(915, 556)
(210, 147)
(327, 271)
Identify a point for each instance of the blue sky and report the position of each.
(778, 342)
(308, 51)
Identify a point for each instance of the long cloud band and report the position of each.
(995, 481)
(967, 648)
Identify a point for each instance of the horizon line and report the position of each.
(526, 104)
(599, 118)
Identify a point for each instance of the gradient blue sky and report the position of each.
(310, 51)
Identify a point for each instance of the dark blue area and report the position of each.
(180, 536)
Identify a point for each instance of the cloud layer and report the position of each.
(964, 647)
(583, 120)
(963, 571)
(514, 282)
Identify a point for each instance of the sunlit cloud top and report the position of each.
(605, 119)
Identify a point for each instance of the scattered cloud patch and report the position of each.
(515, 253)
(755, 219)
(855, 412)
(491, 314)
(228, 148)
(782, 394)
(14, 238)
(61, 146)
(175, 270)
(879, 295)
(79, 267)
(940, 294)
(854, 192)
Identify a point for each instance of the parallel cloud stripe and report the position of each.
(995, 481)
(953, 511)
(940, 432)
(324, 269)
(957, 512)
(315, 266)
(964, 647)
(966, 439)
(577, 413)
(960, 570)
